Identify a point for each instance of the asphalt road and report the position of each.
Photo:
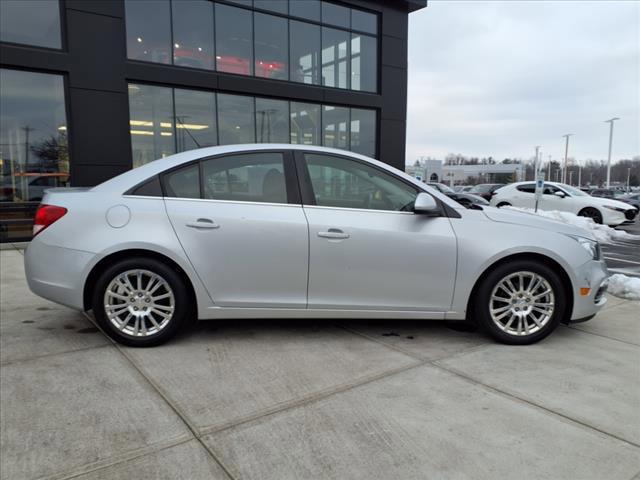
(623, 256)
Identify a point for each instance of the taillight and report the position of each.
(45, 216)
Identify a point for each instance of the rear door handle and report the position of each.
(334, 234)
(203, 224)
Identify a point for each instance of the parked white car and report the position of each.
(565, 198)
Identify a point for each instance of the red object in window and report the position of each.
(47, 215)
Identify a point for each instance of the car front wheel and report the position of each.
(140, 302)
(520, 302)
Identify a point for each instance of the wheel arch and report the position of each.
(548, 261)
(101, 266)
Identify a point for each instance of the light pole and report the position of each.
(535, 164)
(566, 153)
(571, 177)
(628, 178)
(610, 121)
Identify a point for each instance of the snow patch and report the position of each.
(624, 287)
(603, 233)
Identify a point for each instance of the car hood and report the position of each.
(506, 215)
(601, 201)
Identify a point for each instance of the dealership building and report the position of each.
(90, 89)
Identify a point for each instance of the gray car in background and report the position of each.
(294, 231)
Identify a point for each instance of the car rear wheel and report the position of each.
(503, 204)
(520, 302)
(591, 213)
(140, 302)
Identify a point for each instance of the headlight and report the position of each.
(617, 209)
(590, 246)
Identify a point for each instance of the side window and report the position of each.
(183, 182)
(150, 188)
(251, 177)
(339, 182)
(528, 188)
(550, 190)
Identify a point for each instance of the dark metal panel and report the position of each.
(170, 75)
(97, 50)
(395, 21)
(91, 175)
(394, 51)
(392, 139)
(394, 88)
(99, 127)
(31, 58)
(354, 99)
(269, 88)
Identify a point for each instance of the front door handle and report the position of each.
(203, 224)
(334, 234)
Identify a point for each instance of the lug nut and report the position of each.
(147, 300)
(140, 294)
(136, 308)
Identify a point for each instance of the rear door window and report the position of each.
(183, 182)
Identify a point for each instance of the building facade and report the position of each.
(90, 89)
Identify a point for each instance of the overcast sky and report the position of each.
(497, 78)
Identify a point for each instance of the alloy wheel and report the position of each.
(522, 303)
(139, 303)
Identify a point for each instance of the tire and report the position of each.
(507, 324)
(146, 316)
(591, 213)
(503, 204)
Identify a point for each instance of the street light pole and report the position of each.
(566, 153)
(535, 164)
(610, 122)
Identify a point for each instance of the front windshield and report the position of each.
(572, 190)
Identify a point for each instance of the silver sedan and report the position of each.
(286, 231)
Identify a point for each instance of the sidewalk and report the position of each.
(313, 399)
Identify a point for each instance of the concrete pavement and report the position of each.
(313, 399)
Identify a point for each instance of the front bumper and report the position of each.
(594, 276)
(57, 273)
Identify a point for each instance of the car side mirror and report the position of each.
(425, 204)
(560, 194)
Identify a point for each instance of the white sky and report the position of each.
(497, 78)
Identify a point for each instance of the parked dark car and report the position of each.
(631, 199)
(486, 190)
(467, 200)
(603, 193)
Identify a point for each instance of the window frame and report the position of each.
(290, 177)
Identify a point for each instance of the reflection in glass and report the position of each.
(364, 63)
(148, 30)
(334, 57)
(272, 120)
(193, 33)
(279, 6)
(34, 153)
(335, 127)
(236, 119)
(271, 46)
(304, 52)
(234, 45)
(151, 123)
(195, 119)
(305, 123)
(363, 131)
(336, 15)
(364, 21)
(31, 22)
(309, 9)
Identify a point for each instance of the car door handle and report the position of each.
(334, 234)
(203, 224)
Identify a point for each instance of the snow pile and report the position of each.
(603, 233)
(624, 287)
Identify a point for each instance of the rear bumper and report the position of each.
(57, 273)
(593, 275)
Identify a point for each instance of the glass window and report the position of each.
(364, 63)
(272, 120)
(195, 119)
(304, 52)
(527, 188)
(364, 21)
(148, 30)
(234, 44)
(151, 123)
(305, 123)
(334, 57)
(183, 182)
(31, 22)
(271, 46)
(340, 182)
(335, 123)
(246, 3)
(335, 15)
(236, 119)
(34, 153)
(193, 33)
(253, 177)
(309, 9)
(363, 131)
(279, 6)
